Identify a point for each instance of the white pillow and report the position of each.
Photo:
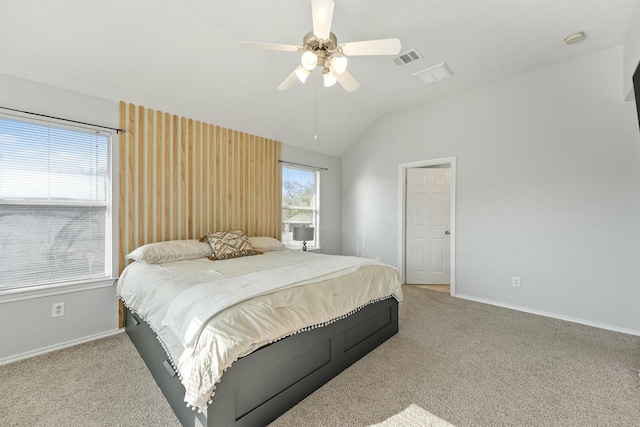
(266, 244)
(172, 250)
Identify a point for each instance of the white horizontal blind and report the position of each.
(54, 203)
(299, 202)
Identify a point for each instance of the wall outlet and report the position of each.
(515, 281)
(57, 309)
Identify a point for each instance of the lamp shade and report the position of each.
(302, 233)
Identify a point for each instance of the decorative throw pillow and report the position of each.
(230, 244)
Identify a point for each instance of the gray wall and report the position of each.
(26, 325)
(548, 189)
(631, 54)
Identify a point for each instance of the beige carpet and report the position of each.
(101, 383)
(453, 361)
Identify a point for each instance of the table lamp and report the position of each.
(302, 233)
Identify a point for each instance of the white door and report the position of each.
(427, 229)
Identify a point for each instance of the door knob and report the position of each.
(447, 232)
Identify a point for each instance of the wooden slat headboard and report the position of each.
(181, 178)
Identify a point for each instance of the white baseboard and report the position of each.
(554, 316)
(60, 346)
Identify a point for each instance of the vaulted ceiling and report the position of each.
(183, 56)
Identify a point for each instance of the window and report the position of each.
(299, 203)
(55, 204)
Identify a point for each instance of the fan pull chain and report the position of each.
(315, 113)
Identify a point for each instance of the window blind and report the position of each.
(54, 203)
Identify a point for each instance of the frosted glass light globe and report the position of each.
(309, 60)
(339, 64)
(329, 79)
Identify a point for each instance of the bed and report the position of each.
(238, 342)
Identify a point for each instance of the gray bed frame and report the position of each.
(263, 385)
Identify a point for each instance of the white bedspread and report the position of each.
(192, 308)
(245, 319)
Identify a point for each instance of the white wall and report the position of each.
(548, 189)
(330, 193)
(26, 325)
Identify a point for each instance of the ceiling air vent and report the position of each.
(407, 58)
(433, 74)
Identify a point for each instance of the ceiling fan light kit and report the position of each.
(321, 49)
(328, 77)
(309, 60)
(339, 64)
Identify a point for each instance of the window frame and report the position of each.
(20, 292)
(292, 244)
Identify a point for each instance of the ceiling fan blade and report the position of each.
(270, 46)
(288, 82)
(347, 81)
(372, 47)
(322, 15)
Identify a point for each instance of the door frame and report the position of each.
(402, 202)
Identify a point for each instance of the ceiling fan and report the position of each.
(321, 49)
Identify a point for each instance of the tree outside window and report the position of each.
(299, 203)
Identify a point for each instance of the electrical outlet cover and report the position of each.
(57, 309)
